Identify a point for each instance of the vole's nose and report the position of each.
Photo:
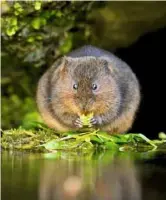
(85, 105)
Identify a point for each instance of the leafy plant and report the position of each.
(34, 34)
(44, 139)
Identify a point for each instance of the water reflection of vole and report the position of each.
(71, 180)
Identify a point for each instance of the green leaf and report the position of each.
(16, 13)
(17, 5)
(56, 145)
(11, 31)
(37, 5)
(39, 37)
(85, 119)
(111, 146)
(104, 136)
(59, 13)
(18, 8)
(96, 139)
(162, 136)
(87, 139)
(51, 145)
(30, 39)
(38, 22)
(13, 21)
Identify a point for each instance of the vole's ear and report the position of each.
(63, 68)
(65, 62)
(60, 68)
(104, 61)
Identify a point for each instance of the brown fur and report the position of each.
(114, 103)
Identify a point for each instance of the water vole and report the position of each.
(89, 80)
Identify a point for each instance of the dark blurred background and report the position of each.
(147, 59)
(34, 34)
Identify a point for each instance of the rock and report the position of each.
(119, 24)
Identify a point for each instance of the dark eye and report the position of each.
(94, 86)
(75, 86)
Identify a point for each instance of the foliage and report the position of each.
(35, 28)
(41, 138)
(34, 34)
(86, 119)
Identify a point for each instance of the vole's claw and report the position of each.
(78, 123)
(93, 121)
(96, 120)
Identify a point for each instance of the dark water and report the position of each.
(77, 176)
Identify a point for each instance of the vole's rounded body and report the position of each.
(89, 80)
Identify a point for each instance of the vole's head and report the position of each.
(87, 85)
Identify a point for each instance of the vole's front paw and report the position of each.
(96, 121)
(78, 123)
(93, 121)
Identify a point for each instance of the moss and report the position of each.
(43, 139)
